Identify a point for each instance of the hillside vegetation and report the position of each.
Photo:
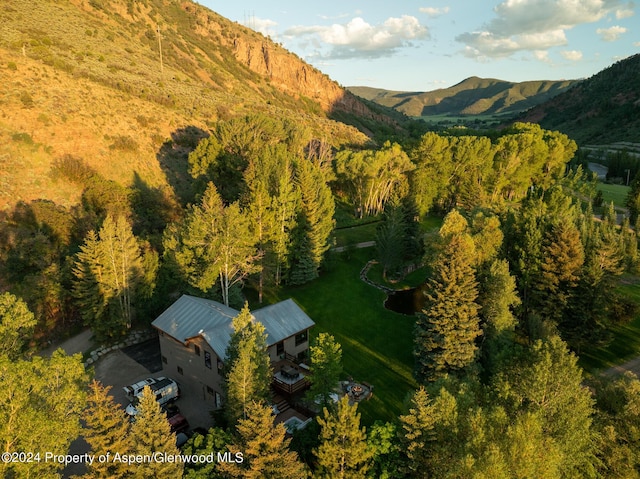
(600, 110)
(132, 87)
(473, 96)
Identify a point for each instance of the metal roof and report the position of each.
(282, 320)
(190, 316)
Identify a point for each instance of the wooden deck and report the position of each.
(289, 377)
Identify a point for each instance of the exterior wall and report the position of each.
(289, 348)
(194, 377)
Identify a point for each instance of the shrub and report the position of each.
(72, 168)
(123, 143)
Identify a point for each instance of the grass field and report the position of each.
(376, 343)
(625, 344)
(616, 193)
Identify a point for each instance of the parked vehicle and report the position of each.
(166, 390)
(178, 423)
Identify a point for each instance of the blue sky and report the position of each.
(413, 45)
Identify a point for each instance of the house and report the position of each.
(194, 334)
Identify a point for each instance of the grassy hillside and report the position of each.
(473, 96)
(602, 109)
(120, 84)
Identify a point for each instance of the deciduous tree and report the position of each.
(16, 323)
(326, 366)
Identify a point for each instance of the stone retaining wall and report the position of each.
(134, 337)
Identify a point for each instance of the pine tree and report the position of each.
(417, 433)
(448, 326)
(391, 239)
(343, 451)
(560, 270)
(315, 223)
(109, 274)
(248, 367)
(264, 448)
(326, 366)
(106, 431)
(213, 243)
(151, 433)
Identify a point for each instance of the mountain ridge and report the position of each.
(471, 96)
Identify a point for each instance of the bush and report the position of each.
(123, 143)
(73, 169)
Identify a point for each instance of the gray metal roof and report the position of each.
(282, 320)
(190, 316)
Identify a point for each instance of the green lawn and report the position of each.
(376, 343)
(626, 337)
(356, 234)
(615, 193)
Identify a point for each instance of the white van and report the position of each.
(165, 389)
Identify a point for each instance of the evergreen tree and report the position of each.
(326, 367)
(106, 431)
(417, 433)
(264, 448)
(16, 324)
(448, 326)
(391, 238)
(248, 367)
(560, 270)
(314, 225)
(213, 243)
(498, 297)
(633, 200)
(109, 275)
(150, 434)
(343, 451)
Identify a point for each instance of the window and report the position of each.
(207, 359)
(164, 359)
(280, 348)
(180, 371)
(196, 348)
(302, 355)
(210, 390)
(301, 338)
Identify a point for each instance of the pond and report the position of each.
(406, 301)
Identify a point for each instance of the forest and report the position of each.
(518, 279)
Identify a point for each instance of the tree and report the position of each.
(248, 367)
(560, 269)
(214, 441)
(263, 447)
(109, 274)
(16, 324)
(391, 239)
(343, 451)
(498, 296)
(314, 225)
(40, 405)
(448, 326)
(417, 433)
(547, 382)
(150, 434)
(213, 243)
(106, 431)
(372, 177)
(326, 367)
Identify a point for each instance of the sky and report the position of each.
(421, 45)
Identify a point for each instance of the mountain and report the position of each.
(129, 87)
(602, 109)
(473, 96)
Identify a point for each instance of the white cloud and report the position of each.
(611, 34)
(357, 38)
(262, 25)
(434, 12)
(636, 44)
(572, 55)
(533, 25)
(626, 12)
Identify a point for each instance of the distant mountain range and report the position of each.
(473, 96)
(602, 109)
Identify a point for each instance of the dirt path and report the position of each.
(632, 366)
(80, 343)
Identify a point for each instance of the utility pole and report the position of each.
(160, 47)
